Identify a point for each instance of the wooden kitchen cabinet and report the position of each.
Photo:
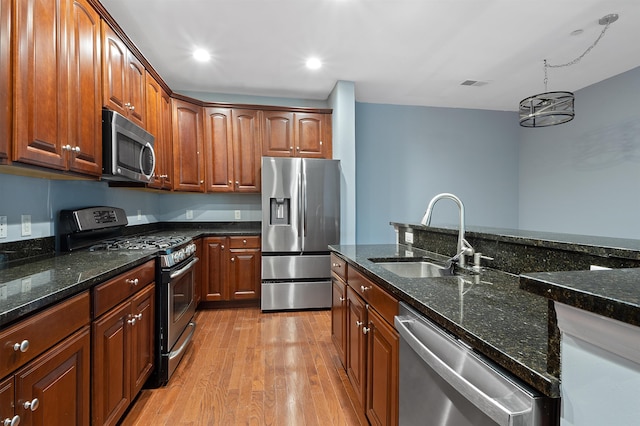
(198, 276)
(231, 268)
(233, 151)
(123, 78)
(339, 306)
(158, 123)
(381, 404)
(5, 81)
(57, 86)
(371, 345)
(296, 134)
(122, 342)
(46, 357)
(244, 268)
(188, 153)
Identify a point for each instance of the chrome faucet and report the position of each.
(464, 248)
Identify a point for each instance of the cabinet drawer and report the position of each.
(374, 295)
(109, 294)
(41, 331)
(339, 267)
(244, 242)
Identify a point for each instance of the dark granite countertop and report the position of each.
(32, 285)
(611, 293)
(488, 311)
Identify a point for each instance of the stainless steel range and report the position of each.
(100, 228)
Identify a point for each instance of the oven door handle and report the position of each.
(185, 341)
(184, 269)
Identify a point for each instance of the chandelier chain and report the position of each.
(579, 58)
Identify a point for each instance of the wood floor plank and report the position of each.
(246, 367)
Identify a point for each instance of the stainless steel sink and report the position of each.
(417, 269)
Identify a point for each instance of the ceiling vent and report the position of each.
(475, 83)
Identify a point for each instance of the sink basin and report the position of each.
(417, 269)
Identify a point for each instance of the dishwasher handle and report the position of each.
(488, 405)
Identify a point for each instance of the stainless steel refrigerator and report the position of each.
(300, 218)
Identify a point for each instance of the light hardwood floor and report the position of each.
(250, 368)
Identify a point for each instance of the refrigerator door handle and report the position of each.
(301, 212)
(304, 208)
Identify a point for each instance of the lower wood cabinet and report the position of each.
(364, 312)
(45, 361)
(231, 268)
(123, 343)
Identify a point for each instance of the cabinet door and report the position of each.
(40, 83)
(215, 269)
(382, 372)
(114, 66)
(166, 142)
(6, 401)
(59, 380)
(356, 344)
(153, 121)
(142, 337)
(219, 149)
(135, 88)
(85, 124)
(246, 150)
(338, 317)
(277, 134)
(310, 134)
(198, 275)
(188, 173)
(111, 365)
(5, 79)
(244, 273)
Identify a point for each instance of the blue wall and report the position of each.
(405, 155)
(582, 177)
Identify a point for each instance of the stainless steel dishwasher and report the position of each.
(443, 382)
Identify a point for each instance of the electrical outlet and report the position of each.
(139, 214)
(189, 214)
(3, 292)
(26, 225)
(238, 215)
(408, 237)
(3, 227)
(408, 253)
(26, 284)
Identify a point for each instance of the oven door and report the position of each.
(181, 302)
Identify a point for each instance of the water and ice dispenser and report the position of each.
(280, 211)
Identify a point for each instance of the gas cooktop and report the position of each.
(140, 242)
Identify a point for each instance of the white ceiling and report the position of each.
(408, 52)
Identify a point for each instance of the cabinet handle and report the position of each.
(363, 288)
(336, 265)
(22, 346)
(359, 323)
(32, 405)
(15, 421)
(133, 282)
(365, 330)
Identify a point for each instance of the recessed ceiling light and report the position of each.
(201, 55)
(313, 63)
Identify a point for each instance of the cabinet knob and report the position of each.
(76, 150)
(230, 182)
(132, 107)
(342, 299)
(15, 421)
(244, 242)
(133, 282)
(233, 259)
(298, 149)
(131, 321)
(222, 247)
(32, 405)
(201, 181)
(290, 148)
(127, 105)
(365, 330)
(237, 183)
(22, 346)
(320, 143)
(359, 323)
(138, 317)
(66, 147)
(363, 288)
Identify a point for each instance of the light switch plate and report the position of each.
(408, 237)
(189, 214)
(3, 227)
(26, 284)
(3, 292)
(139, 214)
(238, 214)
(26, 225)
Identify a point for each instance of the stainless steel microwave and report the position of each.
(127, 149)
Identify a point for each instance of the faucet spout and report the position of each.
(464, 248)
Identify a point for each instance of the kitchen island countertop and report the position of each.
(488, 311)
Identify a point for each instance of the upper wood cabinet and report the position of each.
(188, 170)
(158, 121)
(57, 70)
(123, 78)
(5, 79)
(246, 150)
(232, 145)
(296, 134)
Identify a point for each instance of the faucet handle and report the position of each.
(477, 258)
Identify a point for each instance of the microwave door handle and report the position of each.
(153, 157)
